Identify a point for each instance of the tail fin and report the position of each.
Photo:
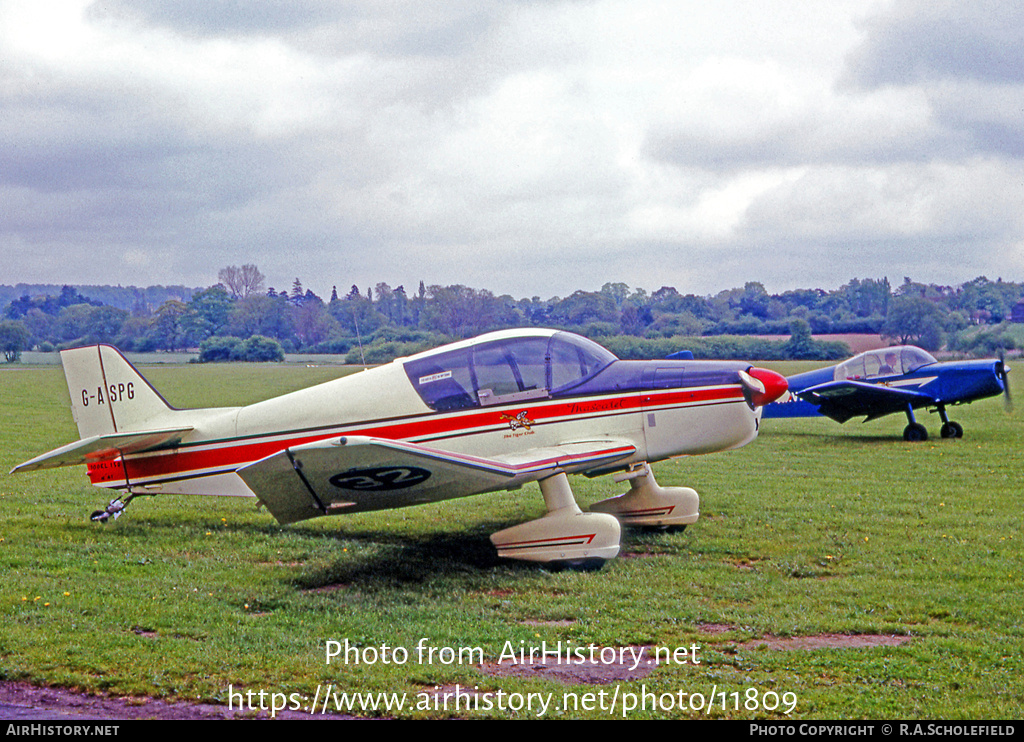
(108, 394)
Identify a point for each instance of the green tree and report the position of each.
(459, 311)
(313, 322)
(254, 349)
(216, 348)
(259, 349)
(914, 320)
(262, 315)
(869, 297)
(584, 307)
(617, 292)
(356, 315)
(801, 344)
(167, 332)
(73, 323)
(754, 300)
(208, 314)
(106, 323)
(14, 338)
(983, 301)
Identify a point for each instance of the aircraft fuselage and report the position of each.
(438, 399)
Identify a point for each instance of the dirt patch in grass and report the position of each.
(828, 641)
(562, 622)
(714, 628)
(24, 702)
(747, 562)
(604, 665)
(816, 641)
(323, 589)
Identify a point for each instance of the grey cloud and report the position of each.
(222, 17)
(67, 143)
(988, 116)
(840, 141)
(399, 28)
(724, 153)
(922, 40)
(966, 58)
(96, 164)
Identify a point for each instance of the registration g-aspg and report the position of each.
(115, 393)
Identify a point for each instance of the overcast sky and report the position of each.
(529, 148)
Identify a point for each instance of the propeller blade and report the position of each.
(1003, 371)
(1007, 399)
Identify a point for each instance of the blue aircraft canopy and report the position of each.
(873, 364)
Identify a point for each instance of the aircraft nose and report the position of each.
(774, 384)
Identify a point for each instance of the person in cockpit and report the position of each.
(889, 367)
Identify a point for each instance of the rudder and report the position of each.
(108, 394)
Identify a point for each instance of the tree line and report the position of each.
(380, 322)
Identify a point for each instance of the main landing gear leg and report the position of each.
(915, 432)
(648, 504)
(565, 537)
(949, 429)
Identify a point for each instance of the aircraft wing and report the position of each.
(841, 400)
(108, 447)
(357, 473)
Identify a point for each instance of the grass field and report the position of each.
(815, 532)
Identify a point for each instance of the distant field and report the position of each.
(858, 343)
(866, 577)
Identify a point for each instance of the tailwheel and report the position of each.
(915, 433)
(952, 430)
(113, 510)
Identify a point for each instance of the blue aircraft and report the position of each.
(890, 380)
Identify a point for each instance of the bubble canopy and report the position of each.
(502, 368)
(894, 361)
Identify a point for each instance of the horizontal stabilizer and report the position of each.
(357, 473)
(97, 448)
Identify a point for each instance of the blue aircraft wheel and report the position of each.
(952, 430)
(915, 433)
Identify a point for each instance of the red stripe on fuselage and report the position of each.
(211, 457)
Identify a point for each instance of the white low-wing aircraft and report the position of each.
(482, 415)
